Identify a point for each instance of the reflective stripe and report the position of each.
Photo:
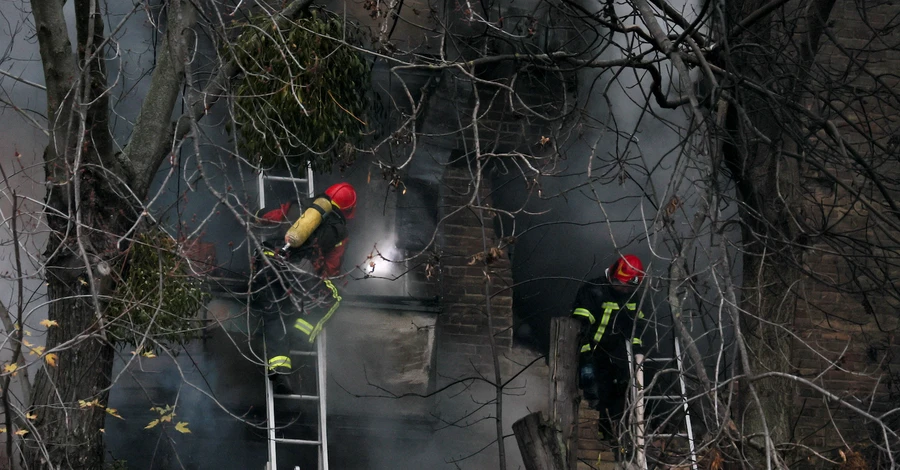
(583, 312)
(586, 348)
(268, 252)
(312, 331)
(303, 325)
(608, 308)
(637, 341)
(337, 302)
(633, 307)
(279, 361)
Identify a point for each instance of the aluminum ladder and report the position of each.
(641, 399)
(319, 396)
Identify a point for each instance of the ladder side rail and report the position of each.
(637, 386)
(261, 189)
(321, 376)
(270, 423)
(687, 414)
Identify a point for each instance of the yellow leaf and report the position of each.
(38, 350)
(26, 343)
(51, 359)
(166, 418)
(3, 429)
(21, 432)
(49, 323)
(149, 354)
(10, 368)
(152, 424)
(182, 428)
(27, 333)
(31, 416)
(114, 412)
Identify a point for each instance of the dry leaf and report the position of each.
(21, 432)
(103, 430)
(51, 359)
(30, 416)
(85, 404)
(148, 354)
(49, 323)
(10, 369)
(114, 412)
(166, 418)
(38, 350)
(182, 428)
(2, 429)
(152, 424)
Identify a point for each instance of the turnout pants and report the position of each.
(293, 317)
(608, 391)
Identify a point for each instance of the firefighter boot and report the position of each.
(281, 384)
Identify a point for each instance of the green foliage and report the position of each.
(303, 95)
(156, 297)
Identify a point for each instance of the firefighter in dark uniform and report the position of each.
(291, 281)
(607, 309)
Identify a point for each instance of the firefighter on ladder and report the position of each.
(291, 283)
(607, 309)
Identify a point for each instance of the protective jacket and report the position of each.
(608, 319)
(326, 245)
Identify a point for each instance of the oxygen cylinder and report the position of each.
(307, 223)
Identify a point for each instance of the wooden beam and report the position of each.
(564, 396)
(540, 443)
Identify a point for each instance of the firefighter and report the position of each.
(607, 309)
(292, 285)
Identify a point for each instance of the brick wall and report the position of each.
(847, 321)
(463, 342)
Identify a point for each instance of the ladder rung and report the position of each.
(296, 397)
(302, 353)
(303, 442)
(285, 178)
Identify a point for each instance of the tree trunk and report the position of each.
(563, 384)
(71, 434)
(540, 443)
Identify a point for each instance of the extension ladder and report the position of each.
(318, 354)
(641, 397)
(318, 397)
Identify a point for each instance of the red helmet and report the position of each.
(343, 196)
(627, 269)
